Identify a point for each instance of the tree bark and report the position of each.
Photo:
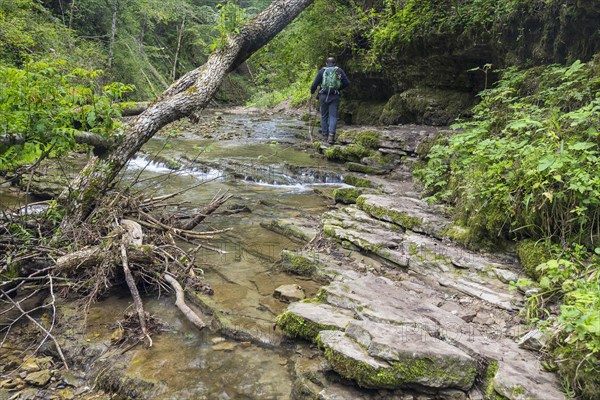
(113, 34)
(178, 49)
(191, 92)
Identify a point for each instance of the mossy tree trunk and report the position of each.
(191, 93)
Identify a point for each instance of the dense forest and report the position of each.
(518, 82)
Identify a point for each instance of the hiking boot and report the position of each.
(331, 139)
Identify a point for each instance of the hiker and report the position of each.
(332, 80)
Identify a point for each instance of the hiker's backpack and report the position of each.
(332, 78)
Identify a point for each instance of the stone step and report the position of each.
(384, 321)
(418, 357)
(384, 356)
(407, 212)
(306, 320)
(444, 263)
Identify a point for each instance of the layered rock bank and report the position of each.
(407, 307)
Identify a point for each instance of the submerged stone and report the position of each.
(294, 230)
(289, 293)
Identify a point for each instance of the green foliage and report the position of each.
(47, 103)
(229, 20)
(285, 67)
(28, 31)
(529, 156)
(528, 165)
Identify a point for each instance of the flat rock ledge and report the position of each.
(374, 357)
(306, 320)
(407, 212)
(386, 334)
(446, 264)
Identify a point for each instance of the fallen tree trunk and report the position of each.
(190, 93)
(132, 109)
(99, 142)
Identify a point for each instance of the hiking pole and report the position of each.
(310, 121)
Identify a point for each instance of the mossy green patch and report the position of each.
(422, 371)
(352, 152)
(403, 373)
(346, 195)
(460, 235)
(364, 374)
(367, 139)
(385, 214)
(298, 263)
(531, 254)
(296, 326)
(358, 182)
(488, 380)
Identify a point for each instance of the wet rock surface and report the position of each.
(428, 315)
(406, 312)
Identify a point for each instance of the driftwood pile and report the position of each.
(141, 241)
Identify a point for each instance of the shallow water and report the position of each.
(186, 363)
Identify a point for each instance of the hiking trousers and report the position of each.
(329, 111)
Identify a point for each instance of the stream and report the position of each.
(400, 264)
(256, 160)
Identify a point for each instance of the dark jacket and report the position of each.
(319, 79)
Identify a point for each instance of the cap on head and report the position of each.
(330, 61)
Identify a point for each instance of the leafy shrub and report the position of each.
(528, 165)
(530, 155)
(47, 103)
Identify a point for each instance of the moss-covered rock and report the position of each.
(423, 105)
(352, 152)
(385, 162)
(354, 361)
(531, 254)
(364, 169)
(299, 263)
(488, 381)
(358, 182)
(346, 195)
(362, 112)
(368, 139)
(306, 319)
(386, 214)
(460, 235)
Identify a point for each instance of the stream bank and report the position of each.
(397, 308)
